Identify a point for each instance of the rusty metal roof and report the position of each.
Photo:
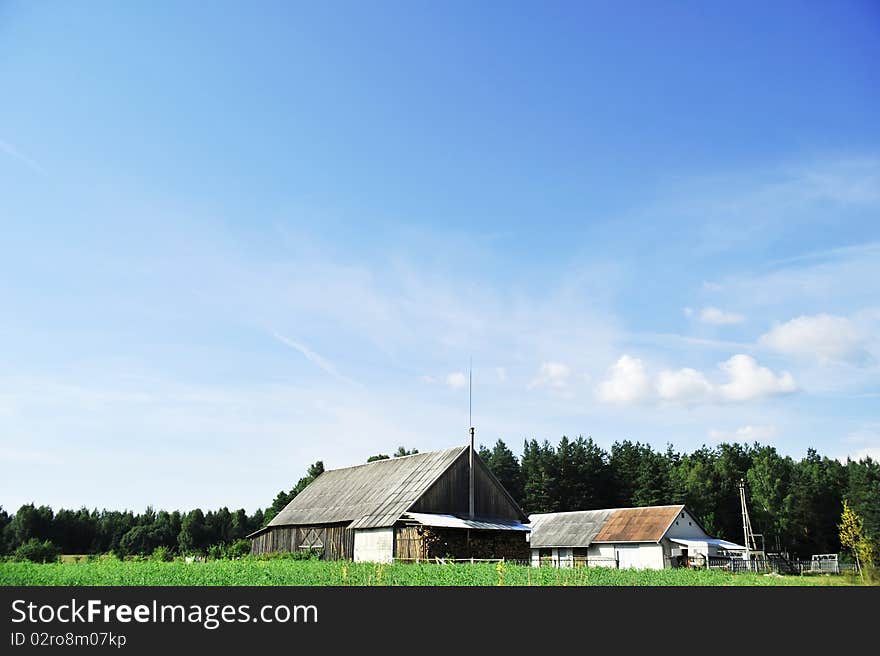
(638, 524)
(582, 528)
(368, 496)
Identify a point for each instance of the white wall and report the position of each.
(648, 555)
(564, 557)
(685, 526)
(640, 555)
(604, 553)
(374, 545)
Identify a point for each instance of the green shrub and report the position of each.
(239, 549)
(162, 554)
(37, 552)
(217, 551)
(302, 554)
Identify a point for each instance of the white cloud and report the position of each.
(870, 452)
(627, 382)
(718, 317)
(13, 152)
(749, 381)
(867, 439)
(501, 372)
(835, 279)
(685, 385)
(456, 380)
(688, 312)
(743, 434)
(322, 363)
(553, 375)
(828, 338)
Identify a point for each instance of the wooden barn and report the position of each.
(652, 537)
(413, 508)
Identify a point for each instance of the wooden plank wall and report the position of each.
(450, 493)
(408, 544)
(338, 541)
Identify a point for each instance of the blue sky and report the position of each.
(238, 239)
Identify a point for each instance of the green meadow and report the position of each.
(252, 571)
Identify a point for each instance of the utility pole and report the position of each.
(471, 453)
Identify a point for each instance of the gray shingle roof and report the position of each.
(567, 529)
(369, 496)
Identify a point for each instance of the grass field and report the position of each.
(289, 572)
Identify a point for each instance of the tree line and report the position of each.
(795, 504)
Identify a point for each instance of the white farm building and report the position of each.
(652, 537)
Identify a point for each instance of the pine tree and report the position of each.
(506, 468)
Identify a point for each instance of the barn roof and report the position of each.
(638, 524)
(567, 529)
(369, 496)
(582, 528)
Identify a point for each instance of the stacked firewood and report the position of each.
(458, 544)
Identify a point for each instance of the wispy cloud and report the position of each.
(8, 149)
(829, 254)
(745, 434)
(552, 375)
(322, 363)
(687, 341)
(865, 443)
(827, 280)
(716, 317)
(27, 456)
(823, 337)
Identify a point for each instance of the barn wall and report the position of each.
(450, 495)
(335, 540)
(276, 539)
(408, 544)
(374, 545)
